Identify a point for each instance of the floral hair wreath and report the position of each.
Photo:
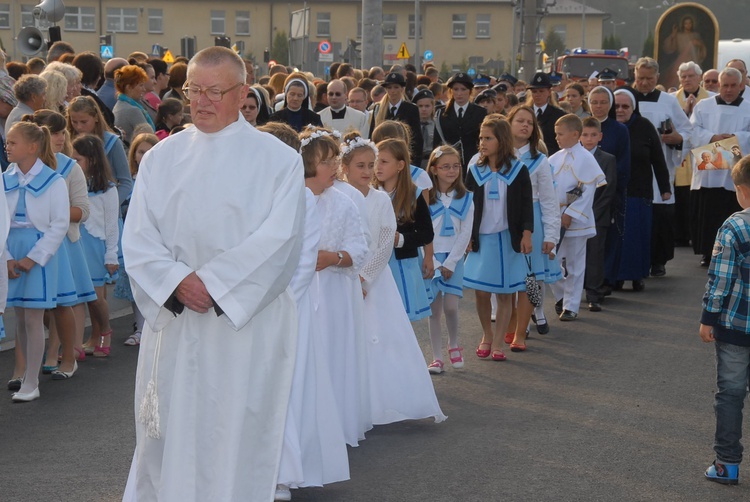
(359, 142)
(319, 133)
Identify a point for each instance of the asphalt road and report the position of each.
(616, 406)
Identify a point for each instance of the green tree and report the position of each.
(553, 44)
(280, 49)
(648, 46)
(611, 42)
(445, 72)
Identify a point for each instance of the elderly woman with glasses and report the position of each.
(296, 110)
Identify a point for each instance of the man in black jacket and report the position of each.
(404, 111)
(546, 112)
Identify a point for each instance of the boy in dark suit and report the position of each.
(604, 198)
(547, 114)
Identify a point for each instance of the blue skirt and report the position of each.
(427, 283)
(496, 267)
(452, 286)
(80, 268)
(635, 258)
(546, 270)
(2, 328)
(94, 250)
(66, 286)
(411, 286)
(36, 289)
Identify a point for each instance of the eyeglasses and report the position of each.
(335, 94)
(709, 81)
(332, 162)
(450, 167)
(193, 92)
(624, 107)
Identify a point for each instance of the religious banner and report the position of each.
(685, 32)
(722, 154)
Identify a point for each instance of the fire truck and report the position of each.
(581, 63)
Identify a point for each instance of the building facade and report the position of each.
(476, 33)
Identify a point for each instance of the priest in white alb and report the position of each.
(340, 117)
(713, 196)
(212, 239)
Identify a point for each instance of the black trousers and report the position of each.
(593, 280)
(662, 234)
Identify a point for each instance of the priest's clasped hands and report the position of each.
(193, 294)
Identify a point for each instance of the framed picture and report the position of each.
(722, 154)
(685, 32)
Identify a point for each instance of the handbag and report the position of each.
(533, 289)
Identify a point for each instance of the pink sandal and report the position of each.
(101, 350)
(435, 367)
(457, 361)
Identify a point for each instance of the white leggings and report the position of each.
(447, 304)
(30, 341)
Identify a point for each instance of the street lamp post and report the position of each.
(648, 17)
(614, 28)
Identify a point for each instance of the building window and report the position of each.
(324, 24)
(5, 15)
(459, 25)
(483, 26)
(80, 19)
(389, 25)
(411, 26)
(218, 22)
(242, 22)
(155, 21)
(27, 16)
(122, 20)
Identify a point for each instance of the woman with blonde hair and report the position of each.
(57, 89)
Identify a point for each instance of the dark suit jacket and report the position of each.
(547, 125)
(417, 233)
(309, 117)
(408, 113)
(466, 129)
(605, 196)
(108, 115)
(519, 207)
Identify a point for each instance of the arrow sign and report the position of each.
(403, 52)
(428, 55)
(325, 47)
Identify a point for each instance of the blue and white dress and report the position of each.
(546, 215)
(452, 220)
(100, 235)
(496, 267)
(75, 284)
(40, 216)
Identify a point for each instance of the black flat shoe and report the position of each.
(619, 285)
(705, 261)
(639, 285)
(15, 384)
(595, 306)
(559, 307)
(568, 315)
(658, 271)
(542, 328)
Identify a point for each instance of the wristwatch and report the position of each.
(341, 257)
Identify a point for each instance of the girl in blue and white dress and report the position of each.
(38, 202)
(400, 388)
(66, 325)
(452, 212)
(414, 226)
(100, 235)
(501, 232)
(138, 148)
(526, 140)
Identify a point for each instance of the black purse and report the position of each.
(533, 288)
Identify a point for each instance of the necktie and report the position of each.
(21, 206)
(460, 113)
(538, 113)
(447, 229)
(494, 193)
(393, 112)
(425, 134)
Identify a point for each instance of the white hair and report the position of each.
(687, 66)
(731, 72)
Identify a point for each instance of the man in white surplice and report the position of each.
(212, 238)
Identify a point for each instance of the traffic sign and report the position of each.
(168, 57)
(325, 47)
(428, 55)
(107, 51)
(403, 52)
(325, 57)
(471, 72)
(156, 50)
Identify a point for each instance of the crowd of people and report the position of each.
(414, 190)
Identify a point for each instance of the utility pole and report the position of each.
(583, 25)
(372, 33)
(528, 52)
(417, 27)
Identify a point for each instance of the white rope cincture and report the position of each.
(148, 413)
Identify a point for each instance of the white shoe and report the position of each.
(19, 397)
(283, 493)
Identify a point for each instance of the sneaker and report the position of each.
(726, 474)
(568, 315)
(457, 359)
(282, 493)
(436, 367)
(559, 307)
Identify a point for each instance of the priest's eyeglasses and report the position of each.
(193, 92)
(450, 167)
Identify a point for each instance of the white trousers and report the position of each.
(570, 287)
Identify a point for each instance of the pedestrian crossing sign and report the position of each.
(107, 51)
(403, 52)
(168, 57)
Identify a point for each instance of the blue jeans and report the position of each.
(732, 379)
